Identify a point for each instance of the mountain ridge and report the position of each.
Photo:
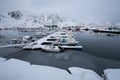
(17, 19)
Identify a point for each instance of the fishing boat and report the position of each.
(40, 34)
(50, 48)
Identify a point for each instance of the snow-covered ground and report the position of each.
(16, 19)
(84, 74)
(112, 74)
(2, 59)
(14, 69)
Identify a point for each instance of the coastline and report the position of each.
(64, 60)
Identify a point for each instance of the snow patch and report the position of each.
(84, 74)
(2, 59)
(112, 74)
(14, 69)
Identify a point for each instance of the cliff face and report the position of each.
(15, 14)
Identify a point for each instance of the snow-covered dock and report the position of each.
(37, 44)
(60, 38)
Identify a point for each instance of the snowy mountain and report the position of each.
(15, 14)
(17, 19)
(103, 25)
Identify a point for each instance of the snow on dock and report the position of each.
(37, 44)
(60, 37)
(14, 69)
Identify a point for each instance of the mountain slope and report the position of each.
(17, 19)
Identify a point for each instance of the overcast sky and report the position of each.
(80, 10)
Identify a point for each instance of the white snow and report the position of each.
(34, 21)
(84, 74)
(14, 69)
(112, 74)
(2, 59)
(39, 42)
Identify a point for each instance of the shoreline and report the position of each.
(64, 60)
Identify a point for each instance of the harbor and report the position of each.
(62, 39)
(88, 57)
(59, 40)
(54, 42)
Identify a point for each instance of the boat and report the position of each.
(40, 34)
(24, 39)
(72, 47)
(50, 48)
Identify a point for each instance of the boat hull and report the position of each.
(53, 49)
(72, 47)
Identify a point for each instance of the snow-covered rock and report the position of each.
(7, 21)
(112, 74)
(15, 14)
(2, 59)
(84, 74)
(14, 69)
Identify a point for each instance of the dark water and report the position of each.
(100, 44)
(100, 51)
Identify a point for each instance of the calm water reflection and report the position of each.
(100, 44)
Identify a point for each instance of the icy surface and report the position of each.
(112, 74)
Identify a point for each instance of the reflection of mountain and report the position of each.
(17, 19)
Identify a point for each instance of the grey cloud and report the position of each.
(81, 10)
